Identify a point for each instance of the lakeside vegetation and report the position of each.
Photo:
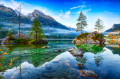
(36, 36)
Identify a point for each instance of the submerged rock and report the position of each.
(80, 49)
(80, 65)
(58, 50)
(88, 73)
(44, 47)
(71, 49)
(76, 52)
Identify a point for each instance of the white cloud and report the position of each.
(82, 6)
(11, 3)
(25, 10)
(63, 15)
(85, 11)
(67, 14)
(67, 17)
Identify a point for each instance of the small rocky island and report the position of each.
(86, 38)
(24, 39)
(35, 36)
(90, 38)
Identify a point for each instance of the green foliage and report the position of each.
(36, 30)
(9, 33)
(4, 33)
(16, 41)
(98, 37)
(83, 35)
(81, 22)
(36, 26)
(21, 41)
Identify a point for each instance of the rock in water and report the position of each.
(58, 50)
(76, 52)
(44, 47)
(80, 49)
(88, 73)
(71, 49)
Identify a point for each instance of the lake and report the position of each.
(55, 62)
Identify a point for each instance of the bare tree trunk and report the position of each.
(19, 21)
(98, 29)
(36, 35)
(19, 26)
(81, 28)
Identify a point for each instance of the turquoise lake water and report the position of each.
(55, 62)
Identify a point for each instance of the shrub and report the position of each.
(98, 37)
(3, 64)
(83, 35)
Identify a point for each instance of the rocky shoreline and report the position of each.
(23, 40)
(90, 38)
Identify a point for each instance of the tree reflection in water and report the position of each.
(91, 48)
(98, 58)
(96, 50)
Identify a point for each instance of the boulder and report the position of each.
(76, 52)
(58, 50)
(88, 73)
(44, 47)
(71, 49)
(80, 49)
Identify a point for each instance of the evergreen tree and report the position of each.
(99, 25)
(36, 29)
(9, 33)
(81, 22)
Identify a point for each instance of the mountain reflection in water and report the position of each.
(63, 65)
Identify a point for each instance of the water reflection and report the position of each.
(114, 46)
(98, 60)
(36, 55)
(40, 63)
(91, 48)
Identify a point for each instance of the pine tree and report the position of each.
(99, 25)
(36, 29)
(9, 33)
(82, 23)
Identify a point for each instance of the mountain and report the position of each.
(9, 19)
(114, 28)
(10, 15)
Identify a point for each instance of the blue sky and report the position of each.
(67, 11)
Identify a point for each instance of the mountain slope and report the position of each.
(114, 28)
(9, 15)
(10, 20)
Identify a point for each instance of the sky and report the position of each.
(67, 11)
